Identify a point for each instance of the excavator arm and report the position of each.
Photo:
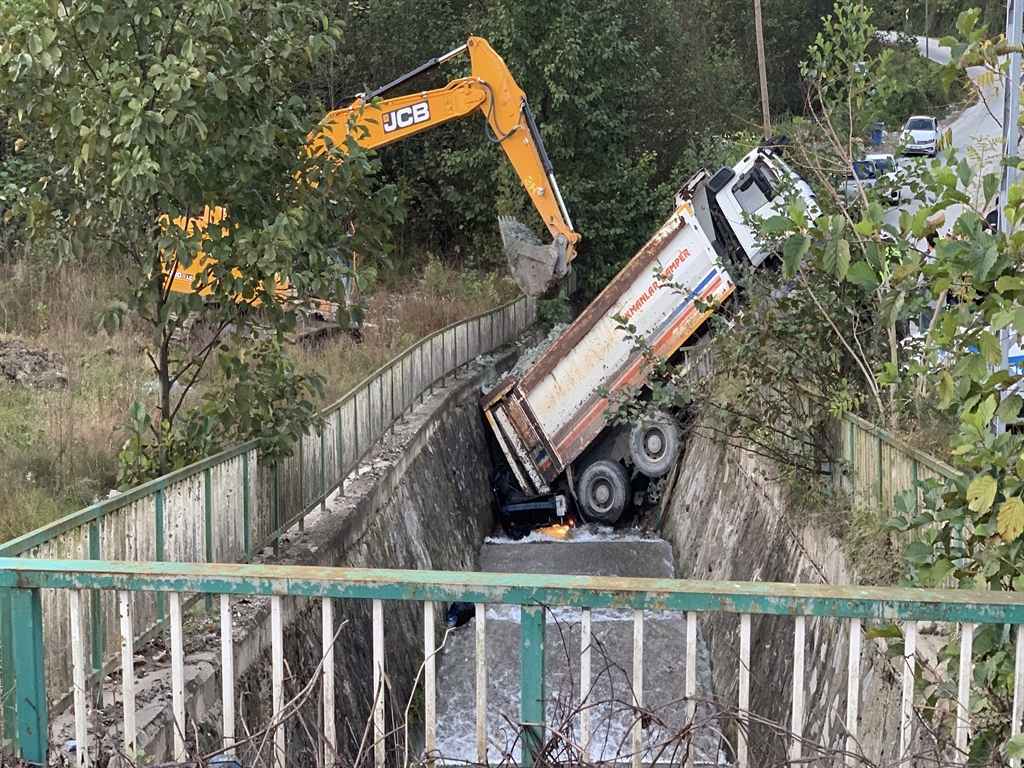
(374, 121)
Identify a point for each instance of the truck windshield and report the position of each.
(755, 189)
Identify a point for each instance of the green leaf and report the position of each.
(837, 258)
(905, 501)
(828, 258)
(986, 410)
(1009, 409)
(898, 523)
(842, 258)
(990, 185)
(981, 493)
(793, 252)
(990, 348)
(1006, 283)
(919, 552)
(890, 308)
(937, 574)
(884, 630)
(775, 224)
(1010, 521)
(945, 388)
(861, 275)
(1015, 747)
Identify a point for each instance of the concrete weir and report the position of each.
(612, 704)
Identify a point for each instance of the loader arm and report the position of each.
(374, 121)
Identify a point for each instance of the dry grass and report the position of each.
(400, 317)
(58, 448)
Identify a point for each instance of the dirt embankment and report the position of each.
(30, 368)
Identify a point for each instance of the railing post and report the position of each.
(246, 522)
(277, 507)
(638, 689)
(532, 677)
(341, 450)
(881, 488)
(9, 713)
(853, 463)
(29, 674)
(1018, 689)
(159, 524)
(302, 484)
(481, 683)
(96, 644)
(207, 527)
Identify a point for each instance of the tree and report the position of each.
(157, 111)
(866, 278)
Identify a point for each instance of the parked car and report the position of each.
(920, 136)
(860, 176)
(872, 171)
(887, 177)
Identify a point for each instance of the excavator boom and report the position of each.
(490, 89)
(374, 121)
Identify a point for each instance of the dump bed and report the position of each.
(545, 420)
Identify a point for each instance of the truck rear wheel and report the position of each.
(603, 491)
(654, 447)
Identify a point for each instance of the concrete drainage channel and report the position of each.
(611, 704)
(422, 500)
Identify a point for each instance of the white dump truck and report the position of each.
(550, 424)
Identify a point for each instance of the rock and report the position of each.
(32, 369)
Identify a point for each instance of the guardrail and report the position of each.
(70, 582)
(230, 506)
(881, 465)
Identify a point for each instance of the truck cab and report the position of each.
(727, 202)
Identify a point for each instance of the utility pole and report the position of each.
(926, 25)
(1011, 137)
(759, 34)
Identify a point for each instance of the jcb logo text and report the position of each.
(406, 116)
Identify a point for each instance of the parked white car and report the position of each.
(920, 136)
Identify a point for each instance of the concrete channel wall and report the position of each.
(726, 520)
(422, 501)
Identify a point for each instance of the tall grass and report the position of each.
(401, 316)
(57, 452)
(58, 447)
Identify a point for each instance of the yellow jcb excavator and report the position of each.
(490, 89)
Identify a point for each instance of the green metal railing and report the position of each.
(230, 506)
(29, 581)
(881, 465)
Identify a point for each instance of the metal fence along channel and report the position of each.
(230, 506)
(808, 607)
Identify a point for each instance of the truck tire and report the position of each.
(603, 491)
(654, 447)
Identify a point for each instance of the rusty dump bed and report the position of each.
(545, 420)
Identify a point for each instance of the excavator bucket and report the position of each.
(536, 267)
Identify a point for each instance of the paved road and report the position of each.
(976, 131)
(979, 126)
